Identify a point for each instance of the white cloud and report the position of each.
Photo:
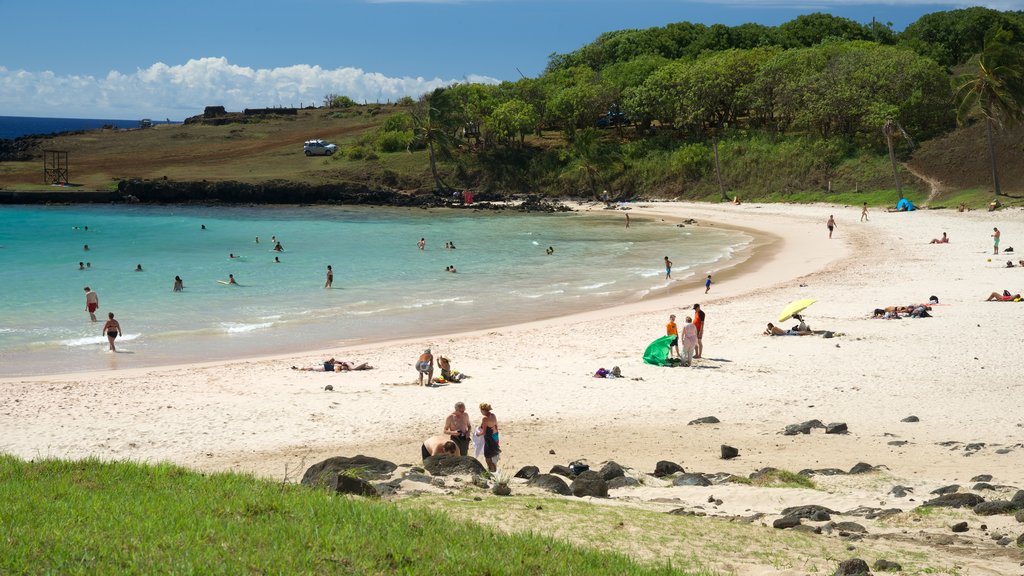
(826, 4)
(183, 90)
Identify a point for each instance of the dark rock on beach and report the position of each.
(887, 566)
(959, 527)
(589, 483)
(862, 468)
(849, 527)
(611, 470)
(562, 471)
(622, 482)
(551, 483)
(1018, 500)
(728, 452)
(448, 465)
(1019, 516)
(851, 567)
(946, 489)
(982, 486)
(704, 420)
(982, 478)
(822, 472)
(345, 484)
(836, 428)
(665, 468)
(911, 419)
(366, 467)
(957, 500)
(527, 472)
(810, 512)
(786, 522)
(900, 491)
(501, 489)
(691, 480)
(802, 428)
(993, 507)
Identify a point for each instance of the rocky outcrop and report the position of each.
(365, 467)
(666, 468)
(551, 483)
(589, 483)
(449, 465)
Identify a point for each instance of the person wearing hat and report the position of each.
(698, 321)
(425, 366)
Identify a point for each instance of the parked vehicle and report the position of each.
(318, 148)
(614, 117)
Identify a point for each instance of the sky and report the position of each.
(125, 59)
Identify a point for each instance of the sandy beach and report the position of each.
(957, 372)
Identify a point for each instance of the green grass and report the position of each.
(784, 479)
(93, 517)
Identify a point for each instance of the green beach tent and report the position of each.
(657, 352)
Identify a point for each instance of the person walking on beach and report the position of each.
(437, 445)
(864, 213)
(672, 330)
(457, 427)
(92, 303)
(707, 284)
(330, 277)
(112, 329)
(831, 225)
(689, 341)
(422, 244)
(698, 322)
(668, 268)
(178, 284)
(425, 366)
(627, 220)
(492, 446)
(995, 240)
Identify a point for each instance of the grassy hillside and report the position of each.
(755, 166)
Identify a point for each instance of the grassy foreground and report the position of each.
(78, 517)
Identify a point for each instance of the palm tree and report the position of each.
(996, 90)
(427, 132)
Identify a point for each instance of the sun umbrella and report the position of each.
(795, 307)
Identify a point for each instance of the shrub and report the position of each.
(394, 141)
(692, 161)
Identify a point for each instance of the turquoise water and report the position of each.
(384, 286)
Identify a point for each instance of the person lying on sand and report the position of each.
(773, 330)
(943, 240)
(1004, 297)
(333, 365)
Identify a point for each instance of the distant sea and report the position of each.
(14, 126)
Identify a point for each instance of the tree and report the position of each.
(511, 119)
(996, 90)
(427, 132)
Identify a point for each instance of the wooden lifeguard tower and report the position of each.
(55, 167)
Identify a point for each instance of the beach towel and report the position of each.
(478, 442)
(657, 352)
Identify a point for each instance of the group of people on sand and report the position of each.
(332, 365)
(425, 369)
(692, 336)
(909, 311)
(458, 431)
(801, 329)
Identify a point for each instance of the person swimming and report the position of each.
(138, 267)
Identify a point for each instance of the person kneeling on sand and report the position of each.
(425, 366)
(437, 445)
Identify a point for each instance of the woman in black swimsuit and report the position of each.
(112, 330)
(492, 448)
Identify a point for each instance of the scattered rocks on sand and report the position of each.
(562, 471)
(366, 467)
(982, 478)
(946, 489)
(589, 483)
(911, 419)
(887, 566)
(862, 468)
(958, 500)
(728, 452)
(691, 480)
(959, 527)
(527, 472)
(622, 482)
(417, 477)
(810, 511)
(448, 465)
(900, 491)
(551, 483)
(802, 428)
(786, 522)
(993, 507)
(869, 513)
(851, 567)
(611, 470)
(836, 428)
(665, 468)
(704, 420)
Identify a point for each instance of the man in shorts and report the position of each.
(425, 366)
(457, 427)
(698, 321)
(671, 329)
(92, 303)
(437, 445)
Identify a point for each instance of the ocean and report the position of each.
(15, 126)
(384, 286)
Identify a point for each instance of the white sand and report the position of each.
(959, 372)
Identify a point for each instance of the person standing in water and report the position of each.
(112, 329)
(231, 280)
(422, 244)
(178, 284)
(92, 303)
(668, 268)
(330, 277)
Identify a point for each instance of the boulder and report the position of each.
(691, 480)
(551, 483)
(1018, 500)
(993, 507)
(958, 500)
(849, 527)
(704, 420)
(959, 527)
(1020, 540)
(1019, 516)
(622, 482)
(900, 491)
(610, 471)
(836, 428)
(786, 522)
(449, 464)
(527, 472)
(887, 566)
(862, 468)
(852, 566)
(417, 477)
(946, 489)
(665, 468)
(911, 419)
(982, 486)
(982, 478)
(501, 489)
(589, 483)
(728, 452)
(802, 428)
(365, 467)
(562, 471)
(346, 484)
(808, 511)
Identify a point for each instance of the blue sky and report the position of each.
(128, 59)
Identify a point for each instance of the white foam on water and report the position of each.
(92, 340)
(597, 285)
(241, 328)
